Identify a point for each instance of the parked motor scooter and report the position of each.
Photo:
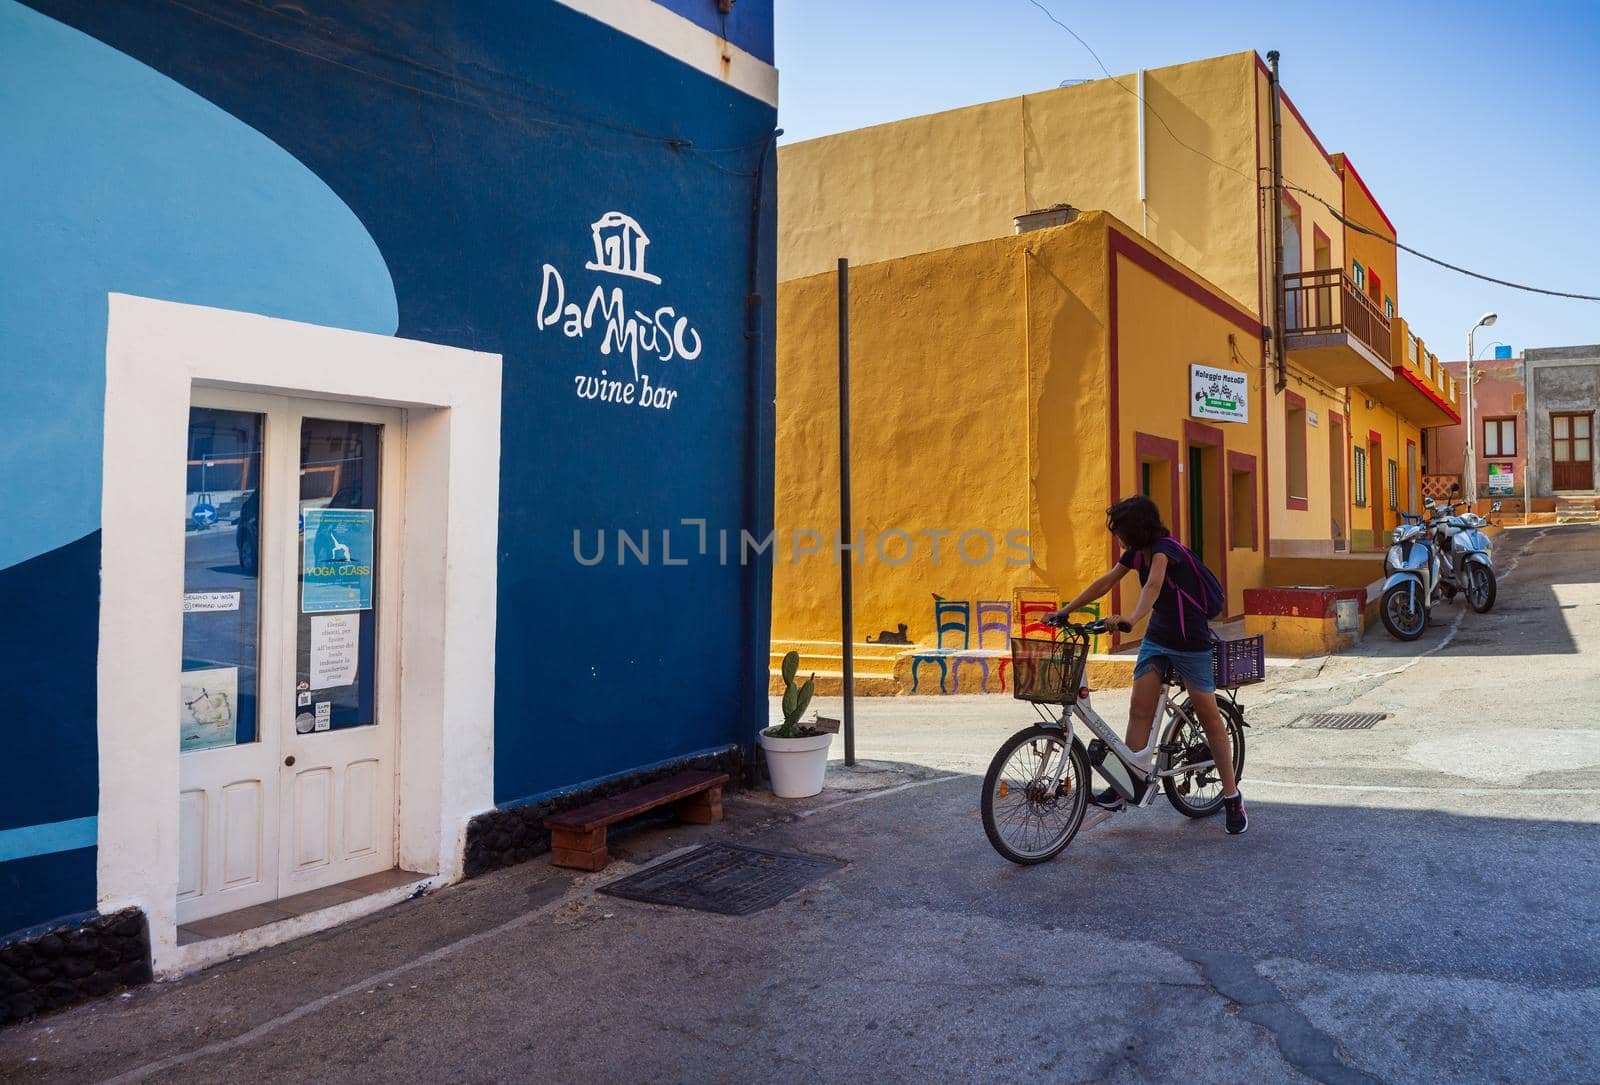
(1411, 584)
(1468, 567)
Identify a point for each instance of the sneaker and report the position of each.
(1233, 807)
(1108, 799)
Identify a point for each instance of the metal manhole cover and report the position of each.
(1341, 721)
(723, 878)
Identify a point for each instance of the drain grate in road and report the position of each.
(723, 878)
(1340, 721)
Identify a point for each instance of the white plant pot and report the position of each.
(797, 765)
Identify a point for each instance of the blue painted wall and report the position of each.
(748, 25)
(410, 167)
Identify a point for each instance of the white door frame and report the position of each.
(156, 353)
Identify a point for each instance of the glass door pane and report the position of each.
(1560, 423)
(1580, 426)
(221, 579)
(336, 643)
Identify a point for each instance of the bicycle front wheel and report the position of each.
(1027, 818)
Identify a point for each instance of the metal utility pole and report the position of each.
(1279, 314)
(846, 588)
(1472, 424)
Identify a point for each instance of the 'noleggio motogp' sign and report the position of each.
(1219, 393)
(658, 334)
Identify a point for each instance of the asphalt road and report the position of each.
(1413, 903)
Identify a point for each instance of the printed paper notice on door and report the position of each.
(337, 560)
(206, 601)
(335, 650)
(208, 708)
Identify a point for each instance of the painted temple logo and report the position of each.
(619, 247)
(649, 337)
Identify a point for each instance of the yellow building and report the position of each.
(992, 383)
(992, 369)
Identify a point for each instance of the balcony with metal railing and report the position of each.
(1420, 386)
(1334, 330)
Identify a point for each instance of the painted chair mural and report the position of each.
(953, 616)
(977, 634)
(994, 616)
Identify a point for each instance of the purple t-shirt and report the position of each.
(1165, 629)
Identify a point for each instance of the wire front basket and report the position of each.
(1048, 671)
(1239, 662)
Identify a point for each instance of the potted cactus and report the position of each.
(797, 755)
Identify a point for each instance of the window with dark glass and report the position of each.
(336, 645)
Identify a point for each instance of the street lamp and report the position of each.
(1472, 422)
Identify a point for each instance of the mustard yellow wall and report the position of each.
(955, 356)
(958, 177)
(1396, 431)
(1373, 253)
(1304, 167)
(1161, 332)
(972, 315)
(980, 399)
(1304, 532)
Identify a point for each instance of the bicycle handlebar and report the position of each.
(1091, 629)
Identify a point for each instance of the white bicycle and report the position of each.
(1036, 791)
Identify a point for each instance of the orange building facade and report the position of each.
(1169, 270)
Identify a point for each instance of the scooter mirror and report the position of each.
(1455, 487)
(1427, 502)
(1495, 507)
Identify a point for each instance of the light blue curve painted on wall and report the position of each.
(114, 178)
(31, 840)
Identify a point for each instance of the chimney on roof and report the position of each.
(1056, 215)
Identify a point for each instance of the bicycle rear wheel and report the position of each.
(1026, 819)
(1199, 794)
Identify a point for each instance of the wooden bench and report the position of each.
(578, 836)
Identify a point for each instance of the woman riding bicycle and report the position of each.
(1178, 638)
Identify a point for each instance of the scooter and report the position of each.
(1412, 579)
(1470, 568)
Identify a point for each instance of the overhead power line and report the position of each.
(1356, 226)
(1338, 214)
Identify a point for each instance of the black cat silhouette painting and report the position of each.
(886, 637)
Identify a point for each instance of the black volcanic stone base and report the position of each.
(500, 838)
(73, 963)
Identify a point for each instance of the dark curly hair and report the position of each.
(1137, 522)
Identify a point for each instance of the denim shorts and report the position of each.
(1193, 668)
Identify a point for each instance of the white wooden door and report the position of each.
(232, 683)
(271, 805)
(338, 774)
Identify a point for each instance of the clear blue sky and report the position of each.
(1477, 125)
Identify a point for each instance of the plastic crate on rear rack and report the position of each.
(1239, 662)
(1048, 671)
